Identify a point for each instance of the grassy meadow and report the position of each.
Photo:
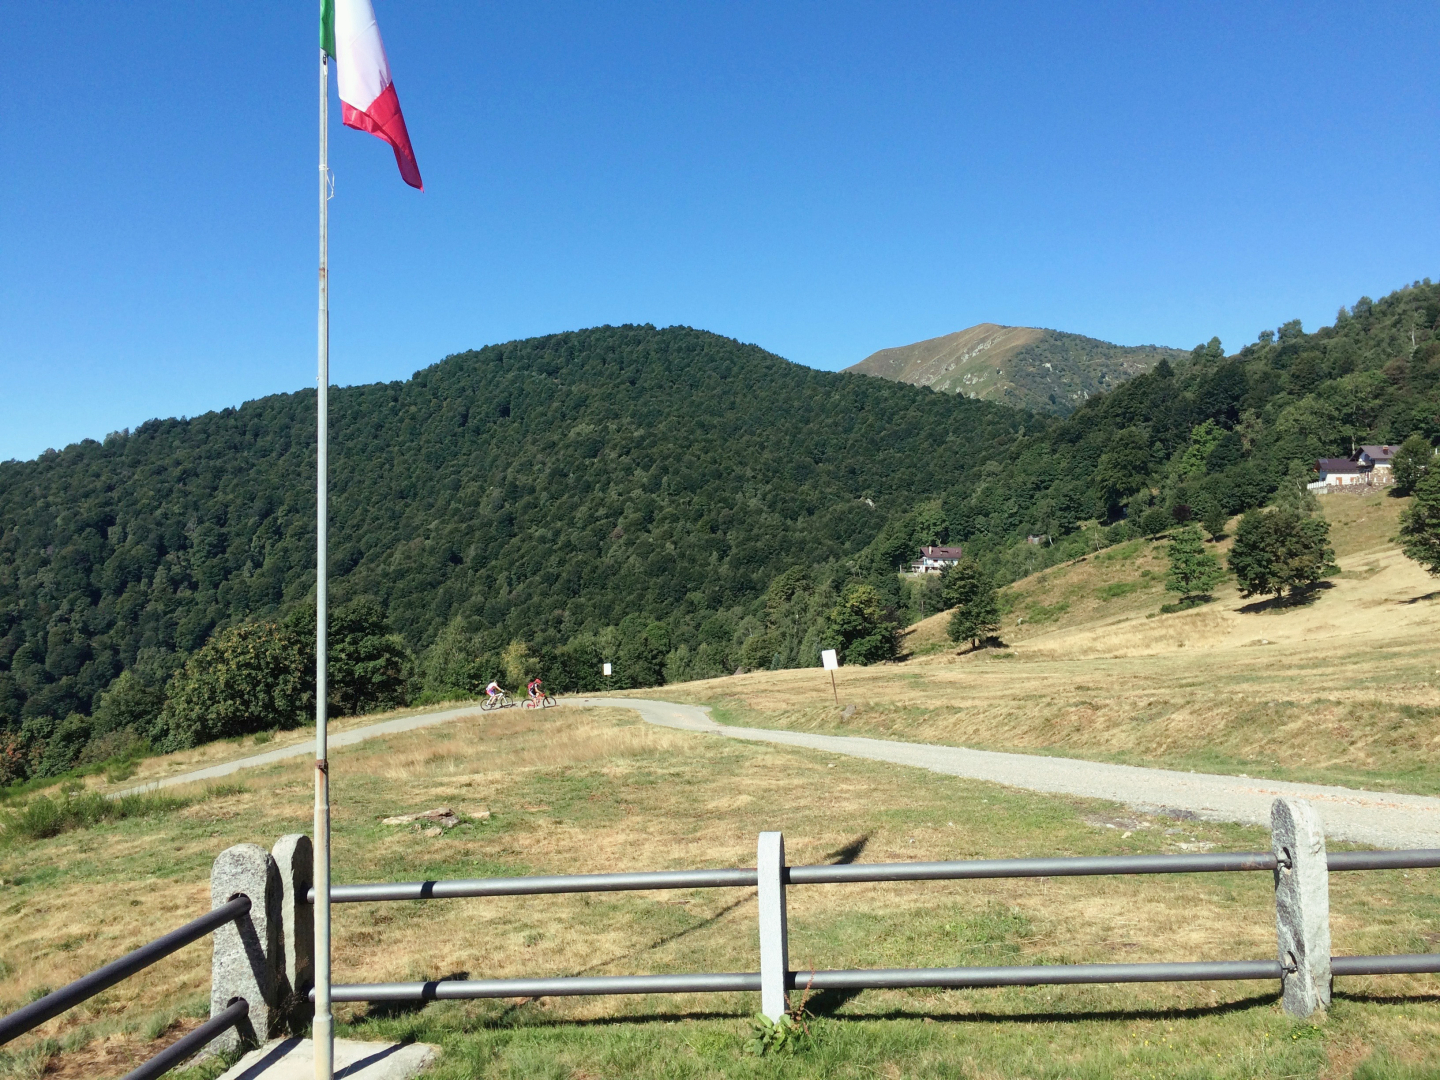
(594, 790)
(1343, 688)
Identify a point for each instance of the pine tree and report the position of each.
(1193, 570)
(1214, 518)
(1420, 523)
(969, 591)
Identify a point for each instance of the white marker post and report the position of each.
(605, 669)
(831, 663)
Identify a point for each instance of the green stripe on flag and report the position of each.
(327, 27)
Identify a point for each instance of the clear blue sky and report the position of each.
(821, 179)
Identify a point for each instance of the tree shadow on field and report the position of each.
(991, 642)
(1297, 599)
(1422, 599)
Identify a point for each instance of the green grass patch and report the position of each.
(43, 817)
(1043, 613)
(1117, 589)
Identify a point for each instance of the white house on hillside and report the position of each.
(934, 560)
(1379, 459)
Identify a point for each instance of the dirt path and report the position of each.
(1365, 817)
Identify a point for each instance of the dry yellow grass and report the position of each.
(1345, 688)
(573, 791)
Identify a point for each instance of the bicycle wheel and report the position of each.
(488, 704)
(547, 701)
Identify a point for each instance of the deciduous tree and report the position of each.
(1280, 551)
(1410, 463)
(1420, 523)
(858, 629)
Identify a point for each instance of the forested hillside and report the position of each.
(1216, 429)
(670, 500)
(541, 490)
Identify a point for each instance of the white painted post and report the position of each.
(774, 936)
(1302, 905)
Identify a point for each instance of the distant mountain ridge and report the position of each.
(1042, 370)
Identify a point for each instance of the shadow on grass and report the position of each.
(1296, 599)
(991, 642)
(393, 1010)
(1423, 599)
(826, 1003)
(850, 852)
(1385, 999)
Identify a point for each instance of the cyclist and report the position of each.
(493, 690)
(535, 691)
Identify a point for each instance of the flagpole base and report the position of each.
(323, 1034)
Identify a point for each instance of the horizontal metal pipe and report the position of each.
(1404, 964)
(1411, 859)
(1036, 975)
(1083, 866)
(529, 886)
(453, 989)
(87, 986)
(182, 1048)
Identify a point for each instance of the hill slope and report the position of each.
(1042, 370)
(540, 489)
(1343, 689)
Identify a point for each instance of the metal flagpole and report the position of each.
(323, 1033)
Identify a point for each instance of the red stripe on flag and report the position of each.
(384, 120)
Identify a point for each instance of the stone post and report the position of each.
(1302, 905)
(294, 859)
(774, 935)
(247, 951)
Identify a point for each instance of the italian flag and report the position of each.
(349, 34)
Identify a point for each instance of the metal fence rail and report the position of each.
(182, 1048)
(772, 877)
(1081, 866)
(87, 986)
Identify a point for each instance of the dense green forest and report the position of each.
(542, 490)
(670, 500)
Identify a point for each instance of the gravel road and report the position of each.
(1364, 817)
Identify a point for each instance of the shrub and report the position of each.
(43, 817)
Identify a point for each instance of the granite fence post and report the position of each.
(1302, 905)
(294, 858)
(248, 952)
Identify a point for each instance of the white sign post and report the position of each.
(831, 662)
(605, 669)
